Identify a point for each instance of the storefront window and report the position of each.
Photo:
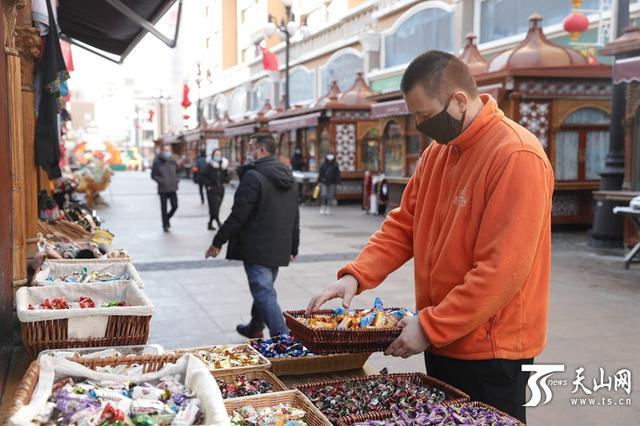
(414, 150)
(504, 18)
(393, 149)
(369, 152)
(301, 86)
(582, 145)
(342, 68)
(432, 26)
(324, 147)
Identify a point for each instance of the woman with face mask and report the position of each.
(214, 177)
(328, 178)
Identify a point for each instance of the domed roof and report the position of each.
(536, 51)
(333, 95)
(357, 94)
(472, 57)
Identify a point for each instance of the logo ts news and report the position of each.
(539, 380)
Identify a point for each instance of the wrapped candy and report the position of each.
(280, 347)
(82, 302)
(380, 393)
(229, 356)
(362, 319)
(243, 386)
(83, 276)
(427, 414)
(281, 414)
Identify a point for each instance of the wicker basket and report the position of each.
(294, 397)
(84, 261)
(314, 364)
(265, 364)
(453, 395)
(277, 385)
(150, 363)
(388, 415)
(122, 327)
(332, 341)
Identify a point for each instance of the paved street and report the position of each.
(593, 318)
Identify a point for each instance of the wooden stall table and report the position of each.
(634, 215)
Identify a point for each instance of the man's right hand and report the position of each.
(345, 288)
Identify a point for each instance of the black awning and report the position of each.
(113, 26)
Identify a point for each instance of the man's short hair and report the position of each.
(439, 73)
(266, 141)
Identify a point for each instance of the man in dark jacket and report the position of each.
(165, 172)
(263, 231)
(199, 167)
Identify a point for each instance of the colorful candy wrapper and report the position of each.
(187, 414)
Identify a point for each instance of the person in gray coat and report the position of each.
(165, 172)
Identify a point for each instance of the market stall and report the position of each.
(239, 133)
(337, 122)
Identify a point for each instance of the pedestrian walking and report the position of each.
(476, 218)
(198, 170)
(263, 231)
(165, 172)
(297, 161)
(382, 195)
(214, 177)
(328, 178)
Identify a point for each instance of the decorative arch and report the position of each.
(431, 22)
(342, 66)
(262, 90)
(238, 102)
(219, 105)
(302, 85)
(562, 119)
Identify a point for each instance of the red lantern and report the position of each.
(186, 103)
(575, 24)
(186, 116)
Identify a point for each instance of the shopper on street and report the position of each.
(476, 218)
(198, 170)
(297, 161)
(165, 172)
(262, 231)
(214, 177)
(328, 178)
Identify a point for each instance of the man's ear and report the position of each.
(461, 98)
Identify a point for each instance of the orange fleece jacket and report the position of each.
(476, 218)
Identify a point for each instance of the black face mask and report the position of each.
(442, 127)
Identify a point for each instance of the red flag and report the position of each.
(186, 103)
(269, 60)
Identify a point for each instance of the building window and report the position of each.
(427, 29)
(504, 18)
(342, 68)
(581, 145)
(301, 86)
(393, 143)
(238, 103)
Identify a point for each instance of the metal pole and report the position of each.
(286, 66)
(608, 228)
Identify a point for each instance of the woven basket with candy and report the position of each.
(230, 357)
(352, 330)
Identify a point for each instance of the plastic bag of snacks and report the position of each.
(183, 393)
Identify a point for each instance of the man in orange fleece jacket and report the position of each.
(476, 218)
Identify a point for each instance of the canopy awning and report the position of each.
(247, 129)
(389, 108)
(113, 26)
(291, 123)
(626, 70)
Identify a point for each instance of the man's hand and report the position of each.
(212, 252)
(411, 341)
(345, 288)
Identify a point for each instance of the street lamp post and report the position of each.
(286, 30)
(198, 83)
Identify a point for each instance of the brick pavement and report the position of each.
(593, 319)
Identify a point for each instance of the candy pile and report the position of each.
(426, 414)
(280, 347)
(229, 356)
(84, 276)
(280, 415)
(243, 386)
(376, 317)
(380, 393)
(81, 303)
(115, 403)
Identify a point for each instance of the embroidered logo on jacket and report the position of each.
(461, 198)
